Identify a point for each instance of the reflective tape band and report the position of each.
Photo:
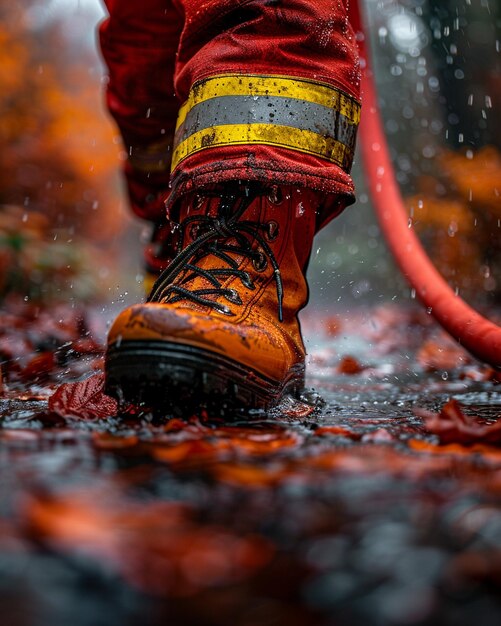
(302, 115)
(268, 134)
(279, 86)
(268, 110)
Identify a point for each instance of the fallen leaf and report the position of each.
(435, 356)
(39, 367)
(250, 476)
(349, 365)
(490, 454)
(380, 435)
(107, 441)
(452, 425)
(85, 399)
(336, 430)
(191, 452)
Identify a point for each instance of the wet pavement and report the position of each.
(374, 505)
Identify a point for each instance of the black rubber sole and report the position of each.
(178, 378)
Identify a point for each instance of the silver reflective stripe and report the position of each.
(275, 110)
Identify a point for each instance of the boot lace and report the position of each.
(215, 232)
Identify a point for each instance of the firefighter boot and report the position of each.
(220, 326)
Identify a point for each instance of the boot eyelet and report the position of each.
(275, 196)
(272, 230)
(233, 297)
(247, 282)
(259, 262)
(222, 308)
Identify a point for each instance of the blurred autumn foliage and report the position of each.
(58, 163)
(35, 265)
(458, 213)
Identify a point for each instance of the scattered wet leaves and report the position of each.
(158, 546)
(312, 510)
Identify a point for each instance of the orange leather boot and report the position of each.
(220, 327)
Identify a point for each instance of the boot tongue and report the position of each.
(193, 212)
(217, 204)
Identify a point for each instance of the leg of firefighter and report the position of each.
(139, 42)
(261, 158)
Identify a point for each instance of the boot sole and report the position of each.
(180, 378)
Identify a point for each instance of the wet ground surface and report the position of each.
(377, 507)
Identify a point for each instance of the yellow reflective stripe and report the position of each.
(153, 158)
(257, 85)
(266, 134)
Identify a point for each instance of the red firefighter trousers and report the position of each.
(207, 91)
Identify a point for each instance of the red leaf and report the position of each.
(454, 426)
(333, 326)
(446, 355)
(337, 430)
(85, 399)
(350, 366)
(107, 441)
(86, 345)
(39, 367)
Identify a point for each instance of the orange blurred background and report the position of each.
(63, 216)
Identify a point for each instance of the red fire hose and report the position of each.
(477, 334)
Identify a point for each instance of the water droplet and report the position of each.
(300, 209)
